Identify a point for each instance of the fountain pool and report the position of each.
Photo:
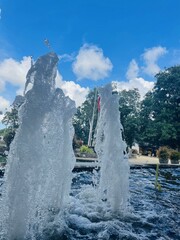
(151, 214)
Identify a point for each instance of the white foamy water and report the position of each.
(111, 151)
(41, 159)
(36, 203)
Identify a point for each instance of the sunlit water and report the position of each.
(151, 214)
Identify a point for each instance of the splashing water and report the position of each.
(35, 200)
(41, 159)
(111, 150)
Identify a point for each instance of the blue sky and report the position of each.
(97, 41)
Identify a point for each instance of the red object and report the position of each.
(99, 106)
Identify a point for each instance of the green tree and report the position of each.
(147, 129)
(83, 117)
(129, 106)
(160, 110)
(2, 131)
(8, 137)
(11, 120)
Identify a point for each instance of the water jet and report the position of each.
(38, 200)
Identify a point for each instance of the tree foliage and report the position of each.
(160, 110)
(83, 117)
(11, 121)
(10, 118)
(8, 137)
(153, 122)
(129, 106)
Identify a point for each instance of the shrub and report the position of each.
(163, 154)
(174, 157)
(86, 149)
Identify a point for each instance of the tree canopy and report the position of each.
(160, 110)
(11, 120)
(129, 106)
(83, 117)
(153, 122)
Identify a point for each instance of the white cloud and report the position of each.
(14, 72)
(90, 63)
(2, 85)
(4, 104)
(142, 85)
(151, 57)
(133, 70)
(73, 90)
(134, 81)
